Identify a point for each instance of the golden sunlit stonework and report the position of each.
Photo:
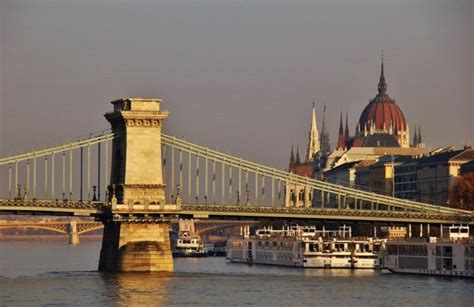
(136, 187)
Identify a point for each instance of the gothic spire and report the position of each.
(340, 138)
(415, 137)
(324, 140)
(346, 130)
(382, 85)
(419, 135)
(313, 138)
(323, 126)
(341, 129)
(292, 156)
(298, 161)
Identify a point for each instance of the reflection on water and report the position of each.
(56, 273)
(340, 273)
(137, 287)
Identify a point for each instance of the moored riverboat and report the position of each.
(189, 243)
(190, 246)
(305, 246)
(452, 256)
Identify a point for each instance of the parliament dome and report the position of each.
(382, 112)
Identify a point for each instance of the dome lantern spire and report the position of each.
(382, 85)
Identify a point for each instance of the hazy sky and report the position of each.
(239, 76)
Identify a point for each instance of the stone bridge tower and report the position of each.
(137, 177)
(135, 237)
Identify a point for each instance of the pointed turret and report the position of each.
(419, 135)
(415, 138)
(292, 157)
(298, 161)
(313, 138)
(346, 129)
(324, 139)
(382, 87)
(340, 139)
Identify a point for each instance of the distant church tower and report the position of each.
(417, 140)
(299, 195)
(324, 139)
(341, 140)
(346, 129)
(313, 139)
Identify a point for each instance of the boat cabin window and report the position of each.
(447, 264)
(414, 250)
(458, 232)
(313, 247)
(327, 247)
(469, 251)
(447, 251)
(376, 248)
(392, 249)
(339, 247)
(469, 265)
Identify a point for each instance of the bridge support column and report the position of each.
(136, 238)
(409, 230)
(73, 234)
(136, 247)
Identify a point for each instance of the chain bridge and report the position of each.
(136, 180)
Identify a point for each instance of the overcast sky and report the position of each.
(239, 76)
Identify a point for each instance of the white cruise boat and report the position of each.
(453, 256)
(188, 243)
(305, 247)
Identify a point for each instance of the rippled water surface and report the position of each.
(38, 273)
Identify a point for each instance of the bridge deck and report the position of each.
(233, 212)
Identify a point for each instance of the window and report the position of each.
(301, 195)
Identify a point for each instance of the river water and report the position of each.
(40, 273)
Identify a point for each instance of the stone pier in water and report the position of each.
(135, 237)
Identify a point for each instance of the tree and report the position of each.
(461, 195)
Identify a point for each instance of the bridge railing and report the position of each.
(73, 171)
(323, 212)
(49, 203)
(316, 186)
